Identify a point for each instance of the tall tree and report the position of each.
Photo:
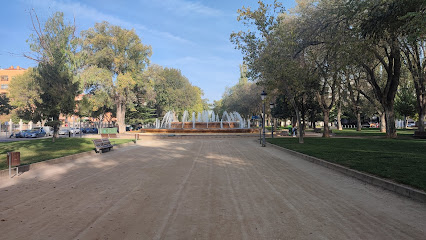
(54, 48)
(269, 51)
(379, 25)
(174, 92)
(121, 53)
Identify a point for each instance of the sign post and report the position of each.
(13, 159)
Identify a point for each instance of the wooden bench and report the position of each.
(110, 135)
(102, 144)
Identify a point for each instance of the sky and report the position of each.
(193, 36)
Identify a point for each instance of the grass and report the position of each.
(44, 149)
(400, 160)
(370, 132)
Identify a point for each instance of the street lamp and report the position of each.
(263, 95)
(271, 105)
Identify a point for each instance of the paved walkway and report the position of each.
(214, 188)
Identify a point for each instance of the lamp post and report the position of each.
(262, 96)
(271, 105)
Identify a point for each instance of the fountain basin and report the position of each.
(198, 130)
(203, 125)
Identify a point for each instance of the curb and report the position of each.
(25, 168)
(400, 189)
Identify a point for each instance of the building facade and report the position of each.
(7, 75)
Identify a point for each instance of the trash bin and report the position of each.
(13, 159)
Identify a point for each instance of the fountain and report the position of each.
(202, 122)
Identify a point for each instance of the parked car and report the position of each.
(22, 134)
(90, 130)
(35, 133)
(75, 130)
(411, 124)
(64, 131)
(48, 130)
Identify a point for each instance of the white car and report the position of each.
(75, 130)
(63, 131)
(411, 124)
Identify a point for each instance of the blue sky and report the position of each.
(192, 36)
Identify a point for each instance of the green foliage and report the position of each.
(403, 161)
(117, 50)
(174, 92)
(243, 98)
(53, 79)
(114, 58)
(405, 102)
(25, 95)
(5, 106)
(58, 90)
(140, 114)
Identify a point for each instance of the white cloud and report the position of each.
(183, 7)
(81, 11)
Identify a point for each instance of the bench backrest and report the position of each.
(105, 141)
(98, 142)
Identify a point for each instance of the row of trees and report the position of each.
(109, 65)
(244, 97)
(338, 52)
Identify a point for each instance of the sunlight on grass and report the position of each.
(44, 149)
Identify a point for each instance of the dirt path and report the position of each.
(201, 189)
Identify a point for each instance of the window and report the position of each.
(4, 77)
(4, 86)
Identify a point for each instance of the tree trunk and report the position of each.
(390, 121)
(339, 116)
(382, 122)
(55, 129)
(299, 121)
(326, 132)
(358, 121)
(121, 114)
(421, 106)
(421, 123)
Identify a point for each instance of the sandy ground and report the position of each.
(201, 189)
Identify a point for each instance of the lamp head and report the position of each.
(263, 95)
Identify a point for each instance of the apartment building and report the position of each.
(7, 75)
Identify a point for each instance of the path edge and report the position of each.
(400, 189)
(36, 165)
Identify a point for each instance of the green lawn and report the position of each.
(370, 132)
(401, 160)
(44, 149)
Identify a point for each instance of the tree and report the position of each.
(269, 51)
(405, 102)
(243, 98)
(119, 55)
(414, 48)
(174, 92)
(5, 106)
(381, 24)
(25, 95)
(54, 49)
